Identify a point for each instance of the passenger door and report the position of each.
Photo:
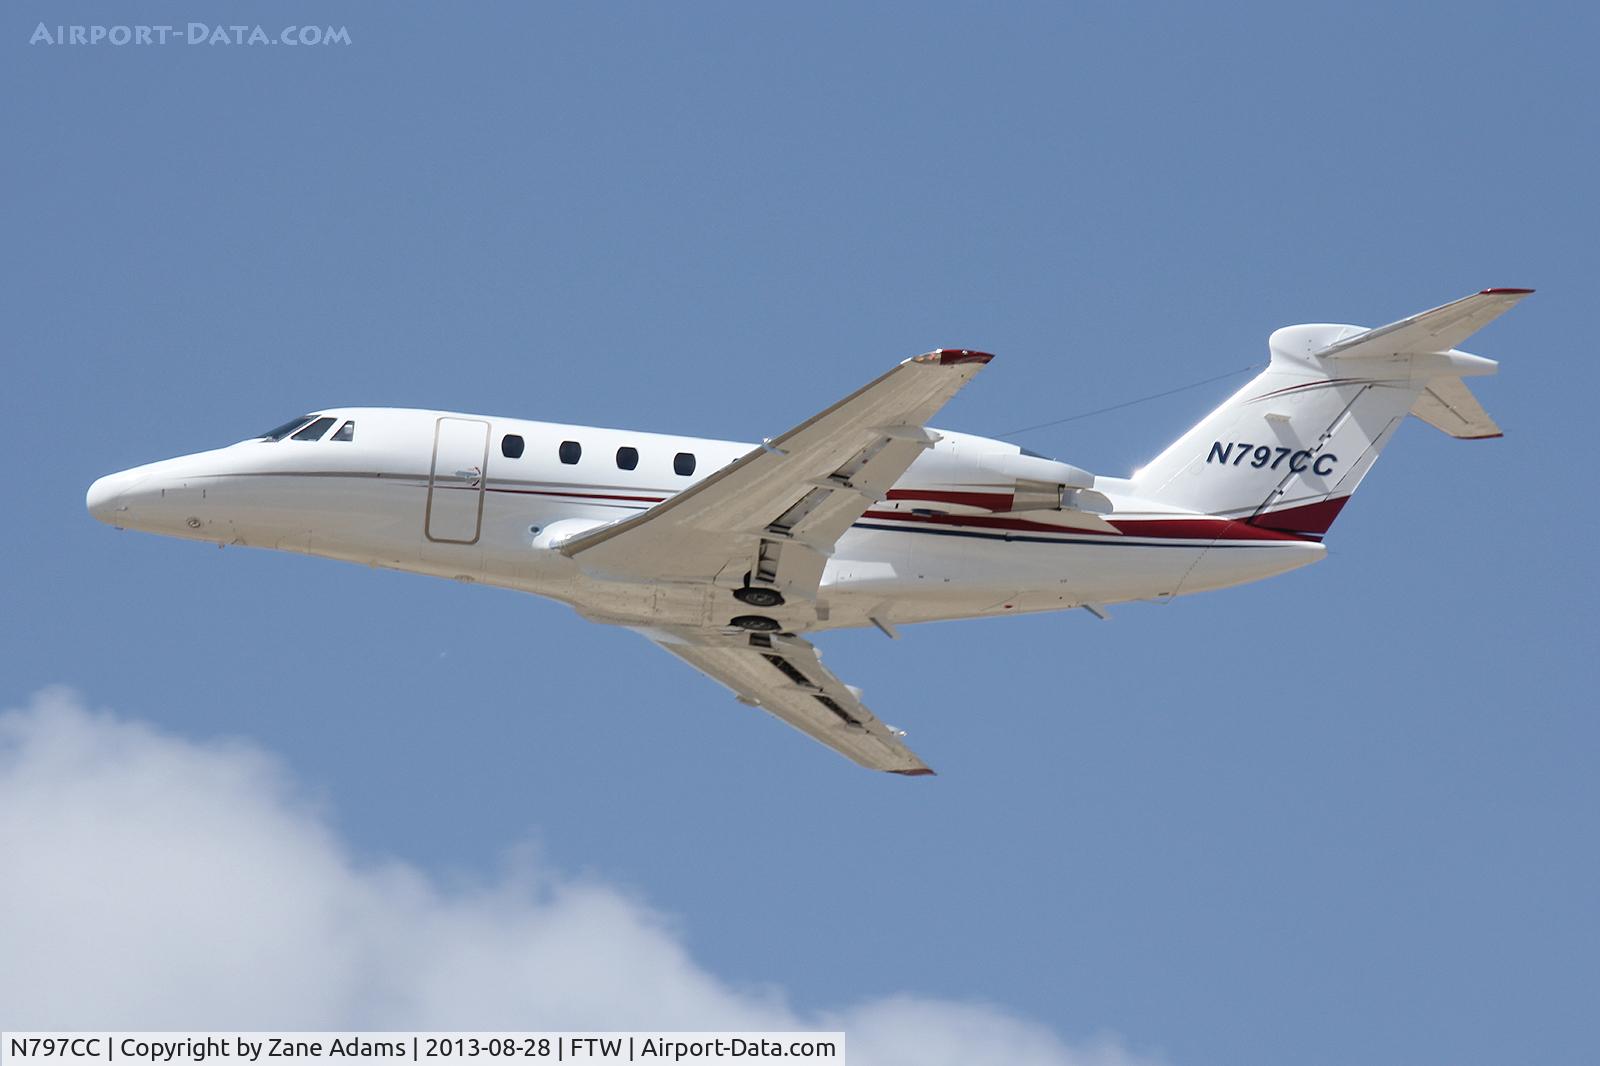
(455, 482)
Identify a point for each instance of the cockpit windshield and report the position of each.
(315, 430)
(280, 432)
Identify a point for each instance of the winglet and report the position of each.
(1505, 292)
(921, 771)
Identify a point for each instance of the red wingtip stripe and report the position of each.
(952, 356)
(1505, 292)
(922, 772)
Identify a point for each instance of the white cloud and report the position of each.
(152, 882)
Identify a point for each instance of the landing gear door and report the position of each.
(455, 483)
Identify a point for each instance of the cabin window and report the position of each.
(346, 432)
(683, 463)
(280, 432)
(571, 452)
(315, 430)
(627, 458)
(511, 446)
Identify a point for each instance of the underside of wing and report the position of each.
(769, 520)
(784, 676)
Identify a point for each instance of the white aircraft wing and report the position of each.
(784, 676)
(1438, 330)
(775, 513)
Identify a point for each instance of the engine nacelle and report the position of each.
(1042, 484)
(1035, 469)
(1054, 496)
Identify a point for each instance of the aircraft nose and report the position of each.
(105, 497)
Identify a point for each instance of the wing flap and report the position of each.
(784, 676)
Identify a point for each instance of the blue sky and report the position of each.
(1346, 815)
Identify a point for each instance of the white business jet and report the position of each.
(725, 554)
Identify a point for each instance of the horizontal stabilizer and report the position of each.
(1448, 405)
(1438, 330)
(1289, 448)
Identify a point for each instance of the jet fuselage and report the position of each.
(489, 500)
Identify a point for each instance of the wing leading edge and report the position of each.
(775, 513)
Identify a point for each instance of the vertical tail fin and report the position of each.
(1288, 449)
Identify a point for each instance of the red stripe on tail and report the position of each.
(1307, 518)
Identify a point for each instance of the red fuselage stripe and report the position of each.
(1307, 522)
